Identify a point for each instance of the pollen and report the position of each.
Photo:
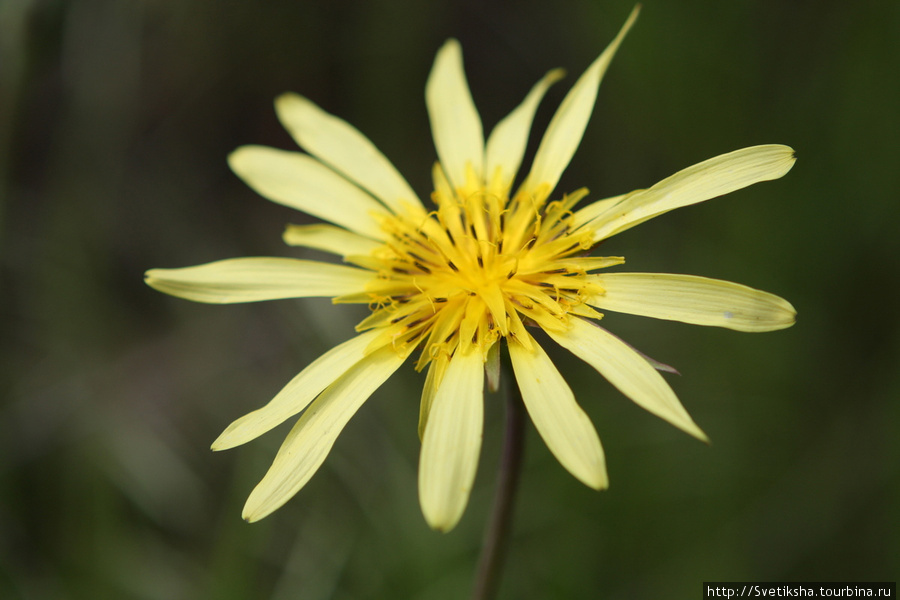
(479, 267)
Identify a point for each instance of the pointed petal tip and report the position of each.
(793, 159)
(155, 278)
(791, 154)
(566, 129)
(233, 436)
(687, 425)
(248, 513)
(782, 158)
(632, 16)
(629, 22)
(450, 48)
(248, 516)
(440, 519)
(236, 435)
(554, 75)
(790, 317)
(450, 45)
(259, 506)
(598, 483)
(441, 525)
(699, 434)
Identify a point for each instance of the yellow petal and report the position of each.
(563, 425)
(492, 367)
(328, 238)
(588, 213)
(258, 278)
(310, 440)
(506, 144)
(696, 300)
(303, 183)
(455, 124)
(709, 179)
(493, 299)
(297, 394)
(568, 124)
(452, 442)
(627, 370)
(432, 382)
(341, 146)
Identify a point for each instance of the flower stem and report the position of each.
(496, 537)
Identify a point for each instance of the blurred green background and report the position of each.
(115, 120)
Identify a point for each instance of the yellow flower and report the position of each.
(452, 281)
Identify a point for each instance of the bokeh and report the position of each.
(115, 120)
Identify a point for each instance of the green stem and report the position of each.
(496, 537)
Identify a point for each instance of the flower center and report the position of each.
(480, 267)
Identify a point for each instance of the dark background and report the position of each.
(115, 120)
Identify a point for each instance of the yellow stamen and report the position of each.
(477, 269)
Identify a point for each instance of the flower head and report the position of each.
(488, 262)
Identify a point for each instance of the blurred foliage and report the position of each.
(115, 120)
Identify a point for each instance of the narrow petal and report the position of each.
(341, 146)
(298, 393)
(492, 367)
(301, 182)
(696, 300)
(626, 370)
(452, 442)
(455, 124)
(586, 214)
(493, 299)
(507, 142)
(564, 426)
(328, 238)
(311, 439)
(258, 278)
(709, 179)
(567, 127)
(433, 379)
